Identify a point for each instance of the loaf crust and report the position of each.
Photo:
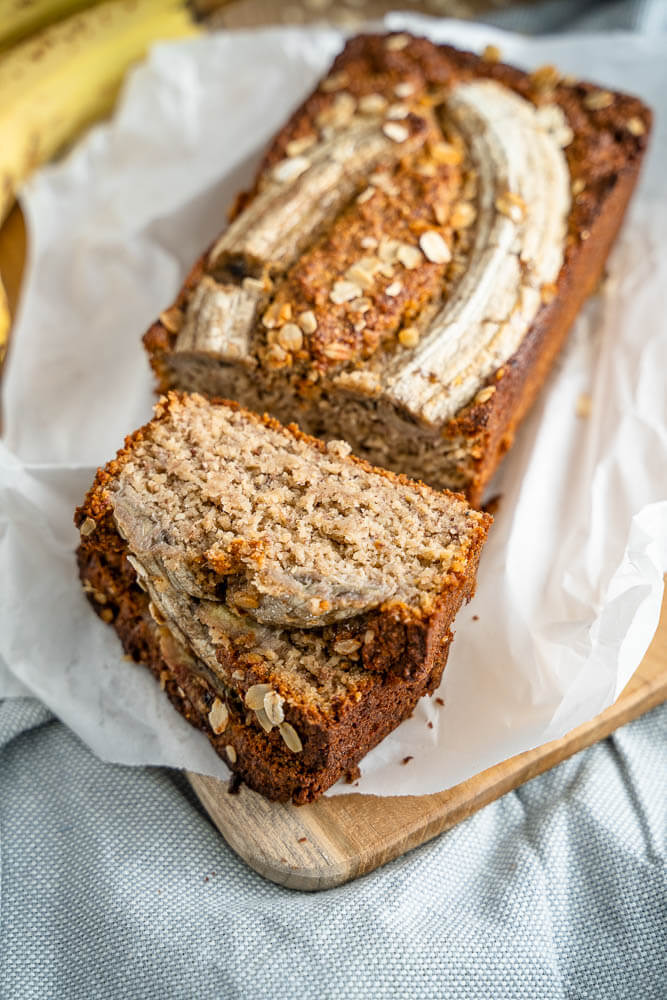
(262, 761)
(609, 136)
(404, 660)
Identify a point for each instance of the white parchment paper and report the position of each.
(570, 583)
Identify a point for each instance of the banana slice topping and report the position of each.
(523, 204)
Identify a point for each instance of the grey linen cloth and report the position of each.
(114, 883)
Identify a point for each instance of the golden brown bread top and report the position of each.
(610, 128)
(401, 201)
(324, 324)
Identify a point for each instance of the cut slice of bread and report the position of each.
(295, 601)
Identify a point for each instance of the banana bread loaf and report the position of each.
(419, 238)
(294, 601)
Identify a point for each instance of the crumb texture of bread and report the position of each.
(289, 531)
(418, 240)
(296, 600)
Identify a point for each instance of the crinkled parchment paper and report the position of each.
(571, 581)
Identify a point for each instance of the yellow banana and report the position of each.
(20, 18)
(69, 74)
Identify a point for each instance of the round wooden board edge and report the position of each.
(339, 838)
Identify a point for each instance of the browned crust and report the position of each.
(331, 748)
(604, 159)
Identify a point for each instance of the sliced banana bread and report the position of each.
(294, 601)
(420, 237)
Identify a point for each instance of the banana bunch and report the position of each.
(67, 75)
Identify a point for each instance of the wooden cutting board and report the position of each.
(337, 839)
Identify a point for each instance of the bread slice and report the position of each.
(419, 239)
(295, 601)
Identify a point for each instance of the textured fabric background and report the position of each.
(114, 883)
